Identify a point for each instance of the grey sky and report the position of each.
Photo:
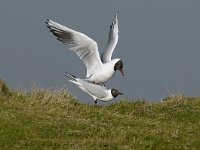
(159, 43)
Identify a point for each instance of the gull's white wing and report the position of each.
(112, 40)
(82, 45)
(94, 89)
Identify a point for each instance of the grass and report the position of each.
(53, 119)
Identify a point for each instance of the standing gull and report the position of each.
(97, 92)
(99, 70)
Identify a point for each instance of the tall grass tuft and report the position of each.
(4, 89)
(53, 119)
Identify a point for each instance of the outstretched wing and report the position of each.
(112, 40)
(82, 45)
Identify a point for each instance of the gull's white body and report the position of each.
(99, 70)
(97, 92)
(104, 74)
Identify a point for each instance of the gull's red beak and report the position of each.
(122, 72)
(121, 93)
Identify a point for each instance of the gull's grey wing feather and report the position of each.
(94, 89)
(82, 45)
(112, 40)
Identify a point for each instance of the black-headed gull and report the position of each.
(99, 70)
(97, 92)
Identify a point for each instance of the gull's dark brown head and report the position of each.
(115, 92)
(119, 66)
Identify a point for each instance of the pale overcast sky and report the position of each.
(159, 43)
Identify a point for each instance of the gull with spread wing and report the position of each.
(99, 70)
(97, 92)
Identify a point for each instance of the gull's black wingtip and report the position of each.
(47, 21)
(69, 74)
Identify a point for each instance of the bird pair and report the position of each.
(99, 69)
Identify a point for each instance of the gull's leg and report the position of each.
(98, 83)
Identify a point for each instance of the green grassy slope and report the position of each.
(52, 119)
